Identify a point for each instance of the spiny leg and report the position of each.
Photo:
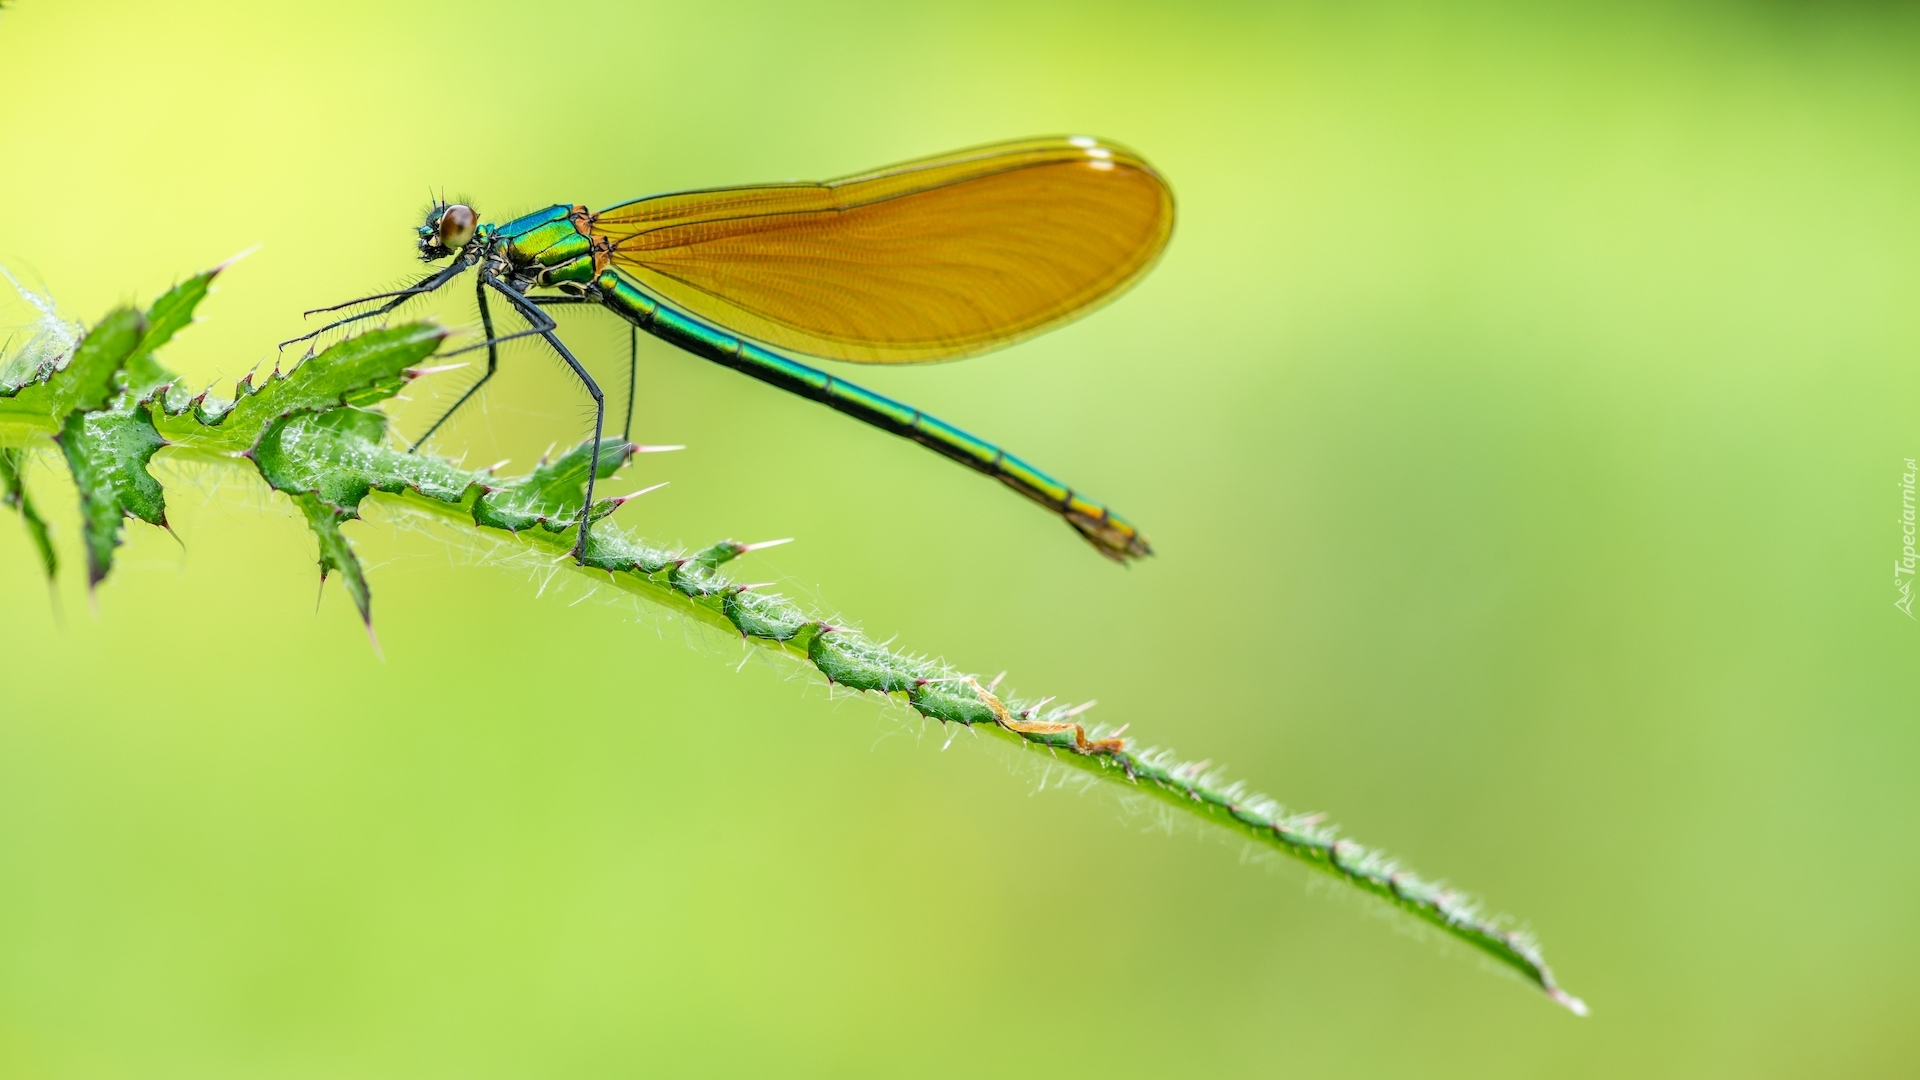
(425, 285)
(540, 328)
(544, 325)
(493, 362)
(492, 345)
(633, 353)
(633, 372)
(408, 291)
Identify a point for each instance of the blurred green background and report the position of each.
(1518, 413)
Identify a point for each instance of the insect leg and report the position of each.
(633, 373)
(544, 325)
(633, 353)
(426, 285)
(493, 362)
(408, 291)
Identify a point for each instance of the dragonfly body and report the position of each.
(649, 263)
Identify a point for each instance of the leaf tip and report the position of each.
(622, 500)
(233, 259)
(1567, 1001)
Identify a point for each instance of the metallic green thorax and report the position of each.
(553, 248)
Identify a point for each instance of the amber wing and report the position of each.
(929, 260)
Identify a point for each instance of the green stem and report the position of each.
(949, 695)
(312, 434)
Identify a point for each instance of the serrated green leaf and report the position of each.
(328, 462)
(13, 491)
(169, 315)
(759, 615)
(609, 549)
(87, 380)
(851, 660)
(337, 457)
(325, 456)
(336, 555)
(108, 453)
(550, 495)
(108, 447)
(697, 574)
(357, 371)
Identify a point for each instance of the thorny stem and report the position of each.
(310, 434)
(689, 584)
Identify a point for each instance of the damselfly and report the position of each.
(929, 260)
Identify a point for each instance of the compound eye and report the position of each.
(456, 225)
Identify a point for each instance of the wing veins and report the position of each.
(957, 269)
(736, 302)
(817, 185)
